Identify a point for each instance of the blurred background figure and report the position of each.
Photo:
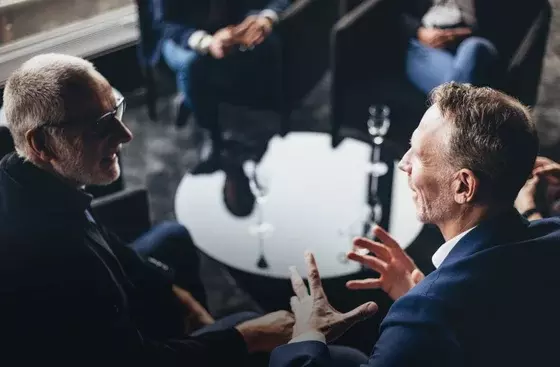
(220, 50)
(540, 196)
(446, 45)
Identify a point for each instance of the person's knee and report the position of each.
(178, 58)
(480, 48)
(172, 230)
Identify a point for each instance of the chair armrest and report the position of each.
(363, 43)
(304, 30)
(126, 213)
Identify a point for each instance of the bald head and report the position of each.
(43, 90)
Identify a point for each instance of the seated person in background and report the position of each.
(444, 45)
(547, 172)
(203, 43)
(70, 292)
(468, 159)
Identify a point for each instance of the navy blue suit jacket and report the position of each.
(495, 301)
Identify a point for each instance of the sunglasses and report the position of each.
(102, 126)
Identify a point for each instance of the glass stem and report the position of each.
(260, 212)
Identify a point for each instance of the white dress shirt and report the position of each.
(437, 260)
(445, 249)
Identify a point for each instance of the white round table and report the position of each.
(317, 194)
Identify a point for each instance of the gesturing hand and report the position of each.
(548, 169)
(313, 312)
(253, 30)
(222, 42)
(398, 273)
(526, 197)
(439, 38)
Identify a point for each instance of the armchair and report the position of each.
(126, 213)
(368, 52)
(304, 30)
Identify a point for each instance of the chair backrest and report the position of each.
(305, 33)
(525, 65)
(126, 213)
(150, 32)
(6, 141)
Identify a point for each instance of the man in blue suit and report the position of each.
(468, 158)
(221, 48)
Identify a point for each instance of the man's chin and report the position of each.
(107, 177)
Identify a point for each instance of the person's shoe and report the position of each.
(182, 112)
(236, 192)
(212, 164)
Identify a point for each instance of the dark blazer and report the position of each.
(72, 294)
(475, 309)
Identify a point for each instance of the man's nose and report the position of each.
(123, 132)
(404, 164)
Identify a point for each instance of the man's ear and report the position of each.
(37, 141)
(466, 186)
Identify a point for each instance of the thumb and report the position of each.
(361, 313)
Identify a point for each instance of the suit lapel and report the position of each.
(502, 229)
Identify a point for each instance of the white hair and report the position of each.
(33, 94)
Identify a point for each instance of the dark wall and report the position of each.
(119, 67)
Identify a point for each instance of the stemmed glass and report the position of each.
(378, 126)
(258, 183)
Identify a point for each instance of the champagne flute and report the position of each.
(259, 185)
(378, 126)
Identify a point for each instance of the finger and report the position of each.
(259, 40)
(377, 248)
(297, 283)
(371, 283)
(386, 238)
(361, 312)
(313, 277)
(373, 262)
(294, 303)
(540, 161)
(544, 169)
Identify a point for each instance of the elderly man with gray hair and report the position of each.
(70, 292)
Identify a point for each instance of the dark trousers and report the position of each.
(250, 78)
(171, 243)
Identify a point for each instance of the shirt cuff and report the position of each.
(200, 41)
(310, 336)
(270, 14)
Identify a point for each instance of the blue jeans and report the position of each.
(180, 60)
(473, 62)
(171, 243)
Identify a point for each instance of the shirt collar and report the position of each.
(444, 250)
